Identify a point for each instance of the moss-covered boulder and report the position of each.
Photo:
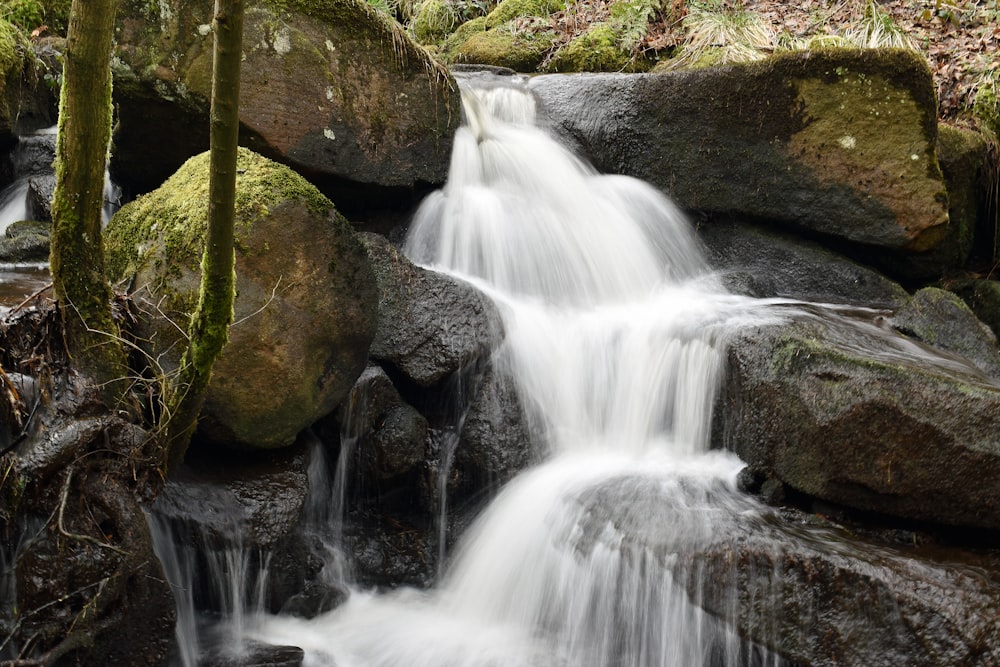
(840, 143)
(305, 310)
(887, 427)
(333, 89)
(508, 10)
(434, 20)
(983, 297)
(596, 50)
(503, 47)
(25, 241)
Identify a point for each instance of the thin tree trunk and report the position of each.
(76, 255)
(209, 329)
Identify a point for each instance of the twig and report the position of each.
(76, 536)
(37, 294)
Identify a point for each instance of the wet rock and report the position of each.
(765, 263)
(848, 412)
(495, 442)
(305, 310)
(25, 241)
(840, 143)
(803, 588)
(983, 297)
(336, 91)
(943, 320)
(255, 654)
(430, 325)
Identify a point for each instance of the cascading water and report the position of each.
(615, 333)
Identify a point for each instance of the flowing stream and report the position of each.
(615, 334)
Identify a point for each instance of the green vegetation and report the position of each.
(31, 14)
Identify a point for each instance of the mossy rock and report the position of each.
(434, 21)
(501, 47)
(836, 143)
(596, 50)
(25, 241)
(334, 89)
(305, 310)
(983, 297)
(451, 46)
(508, 10)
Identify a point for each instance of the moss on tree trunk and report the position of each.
(77, 257)
(209, 328)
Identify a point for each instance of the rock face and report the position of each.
(305, 308)
(430, 324)
(331, 88)
(839, 143)
(854, 415)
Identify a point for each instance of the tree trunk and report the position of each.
(77, 257)
(209, 329)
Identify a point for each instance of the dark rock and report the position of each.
(803, 588)
(840, 143)
(764, 263)
(305, 310)
(430, 325)
(334, 90)
(983, 297)
(856, 415)
(255, 654)
(389, 441)
(942, 319)
(495, 442)
(40, 189)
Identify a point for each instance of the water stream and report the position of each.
(615, 333)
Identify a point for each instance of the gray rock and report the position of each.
(764, 263)
(840, 143)
(495, 442)
(862, 417)
(430, 324)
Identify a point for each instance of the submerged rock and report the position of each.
(850, 413)
(840, 143)
(305, 310)
(333, 89)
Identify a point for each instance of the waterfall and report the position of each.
(615, 334)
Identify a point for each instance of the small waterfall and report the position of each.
(615, 334)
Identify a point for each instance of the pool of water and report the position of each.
(19, 281)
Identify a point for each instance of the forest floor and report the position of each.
(960, 38)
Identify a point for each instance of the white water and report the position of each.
(616, 334)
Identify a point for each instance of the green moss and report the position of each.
(30, 14)
(451, 45)
(12, 44)
(434, 21)
(508, 10)
(177, 212)
(505, 47)
(596, 50)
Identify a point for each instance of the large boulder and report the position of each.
(431, 325)
(305, 309)
(333, 89)
(839, 143)
(855, 414)
(806, 589)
